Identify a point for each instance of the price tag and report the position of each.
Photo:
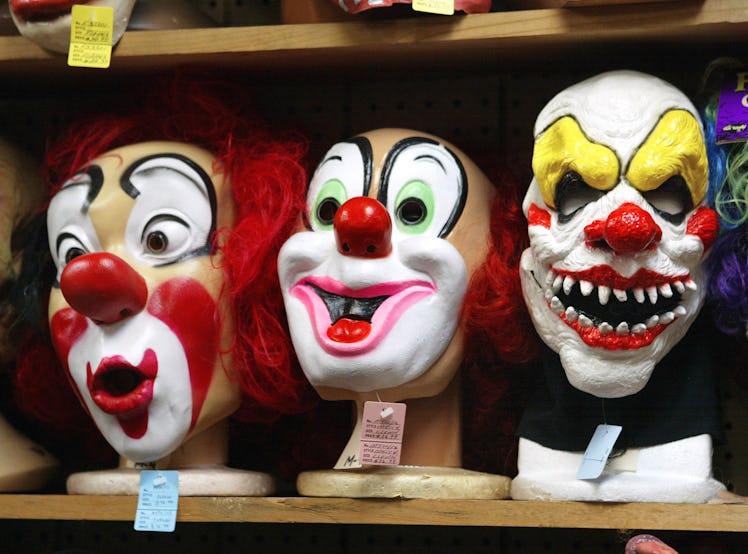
(442, 7)
(158, 499)
(598, 450)
(382, 433)
(731, 124)
(91, 33)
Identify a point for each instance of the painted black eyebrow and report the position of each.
(61, 237)
(432, 158)
(389, 162)
(131, 190)
(96, 181)
(367, 155)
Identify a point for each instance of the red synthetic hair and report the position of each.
(500, 340)
(268, 177)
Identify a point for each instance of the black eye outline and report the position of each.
(70, 253)
(411, 203)
(674, 187)
(572, 186)
(328, 204)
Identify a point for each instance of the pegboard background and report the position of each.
(491, 110)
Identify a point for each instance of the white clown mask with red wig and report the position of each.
(138, 317)
(618, 232)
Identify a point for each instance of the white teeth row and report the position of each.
(623, 328)
(555, 283)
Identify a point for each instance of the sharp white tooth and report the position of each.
(557, 282)
(666, 291)
(639, 295)
(571, 314)
(549, 277)
(652, 294)
(621, 295)
(652, 321)
(667, 317)
(584, 321)
(622, 329)
(568, 283)
(679, 286)
(605, 328)
(639, 329)
(556, 306)
(679, 311)
(548, 294)
(586, 287)
(603, 294)
(690, 285)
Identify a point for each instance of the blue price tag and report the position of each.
(598, 450)
(158, 499)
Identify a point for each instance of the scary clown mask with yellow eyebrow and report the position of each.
(613, 274)
(613, 279)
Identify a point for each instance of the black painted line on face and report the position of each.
(389, 162)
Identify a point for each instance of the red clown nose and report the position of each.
(363, 228)
(103, 287)
(627, 230)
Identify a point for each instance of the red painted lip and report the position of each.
(122, 389)
(36, 10)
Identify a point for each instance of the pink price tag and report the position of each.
(382, 433)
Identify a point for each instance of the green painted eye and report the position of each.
(414, 207)
(331, 196)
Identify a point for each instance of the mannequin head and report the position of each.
(397, 223)
(164, 227)
(47, 22)
(20, 195)
(618, 230)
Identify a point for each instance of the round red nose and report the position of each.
(103, 287)
(363, 228)
(630, 229)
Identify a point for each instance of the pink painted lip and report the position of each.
(401, 295)
(120, 388)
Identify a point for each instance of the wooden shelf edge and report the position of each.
(687, 20)
(483, 513)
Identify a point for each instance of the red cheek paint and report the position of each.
(190, 312)
(67, 327)
(704, 224)
(538, 216)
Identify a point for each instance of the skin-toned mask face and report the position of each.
(138, 317)
(397, 222)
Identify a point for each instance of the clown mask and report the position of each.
(137, 315)
(47, 22)
(617, 229)
(397, 222)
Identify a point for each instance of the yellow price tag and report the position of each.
(91, 34)
(442, 7)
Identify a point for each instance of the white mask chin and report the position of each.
(53, 33)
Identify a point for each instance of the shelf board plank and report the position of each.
(483, 513)
(469, 38)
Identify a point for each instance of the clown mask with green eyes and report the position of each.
(613, 275)
(374, 287)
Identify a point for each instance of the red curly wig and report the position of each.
(268, 177)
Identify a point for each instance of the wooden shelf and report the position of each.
(504, 37)
(685, 32)
(483, 513)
